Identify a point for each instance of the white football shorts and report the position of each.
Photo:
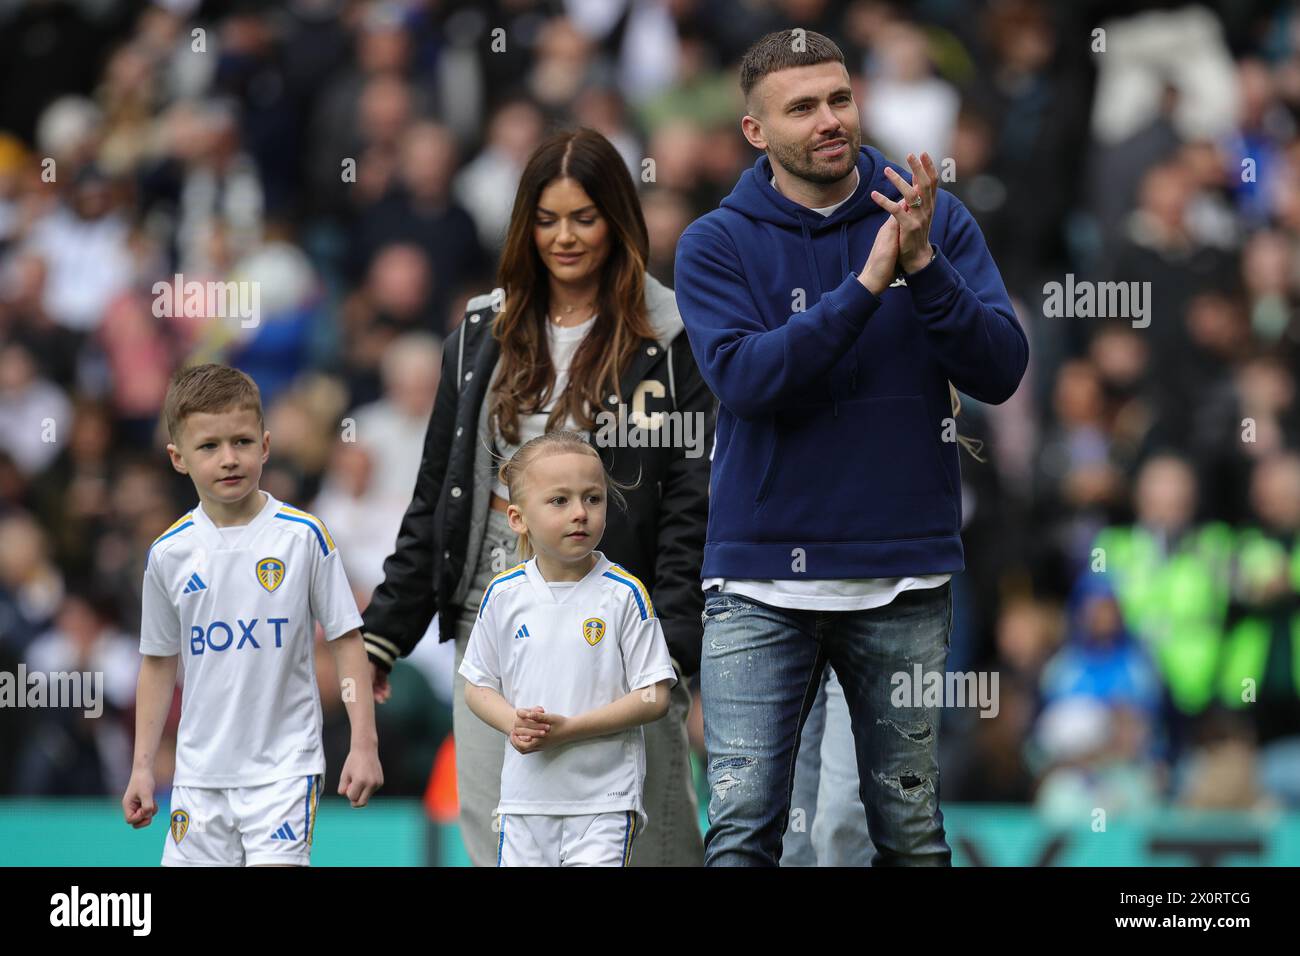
(243, 826)
(593, 839)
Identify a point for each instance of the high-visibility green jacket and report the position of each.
(1175, 603)
(1260, 557)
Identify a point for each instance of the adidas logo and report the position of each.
(901, 280)
(195, 583)
(284, 833)
(522, 632)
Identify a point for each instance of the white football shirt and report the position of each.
(239, 606)
(569, 651)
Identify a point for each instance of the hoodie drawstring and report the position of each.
(817, 278)
(808, 254)
(844, 270)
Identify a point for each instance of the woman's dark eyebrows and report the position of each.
(590, 207)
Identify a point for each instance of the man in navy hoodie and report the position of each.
(835, 505)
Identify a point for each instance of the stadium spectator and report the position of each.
(1172, 159)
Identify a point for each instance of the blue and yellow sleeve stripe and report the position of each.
(322, 533)
(177, 527)
(505, 575)
(639, 593)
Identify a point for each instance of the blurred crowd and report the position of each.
(1133, 564)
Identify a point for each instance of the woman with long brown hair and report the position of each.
(581, 337)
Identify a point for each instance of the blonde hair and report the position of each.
(559, 442)
(972, 445)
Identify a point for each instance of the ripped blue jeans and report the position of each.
(759, 675)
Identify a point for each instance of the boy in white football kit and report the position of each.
(568, 660)
(234, 590)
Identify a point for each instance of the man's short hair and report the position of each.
(781, 51)
(209, 388)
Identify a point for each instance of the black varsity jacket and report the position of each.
(659, 538)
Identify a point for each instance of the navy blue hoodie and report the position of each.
(830, 460)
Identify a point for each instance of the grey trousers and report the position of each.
(672, 833)
(831, 829)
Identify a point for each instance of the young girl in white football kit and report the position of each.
(568, 660)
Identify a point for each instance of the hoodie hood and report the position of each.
(756, 198)
(661, 310)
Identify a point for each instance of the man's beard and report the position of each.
(794, 159)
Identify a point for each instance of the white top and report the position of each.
(563, 343)
(827, 210)
(827, 594)
(239, 605)
(569, 650)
